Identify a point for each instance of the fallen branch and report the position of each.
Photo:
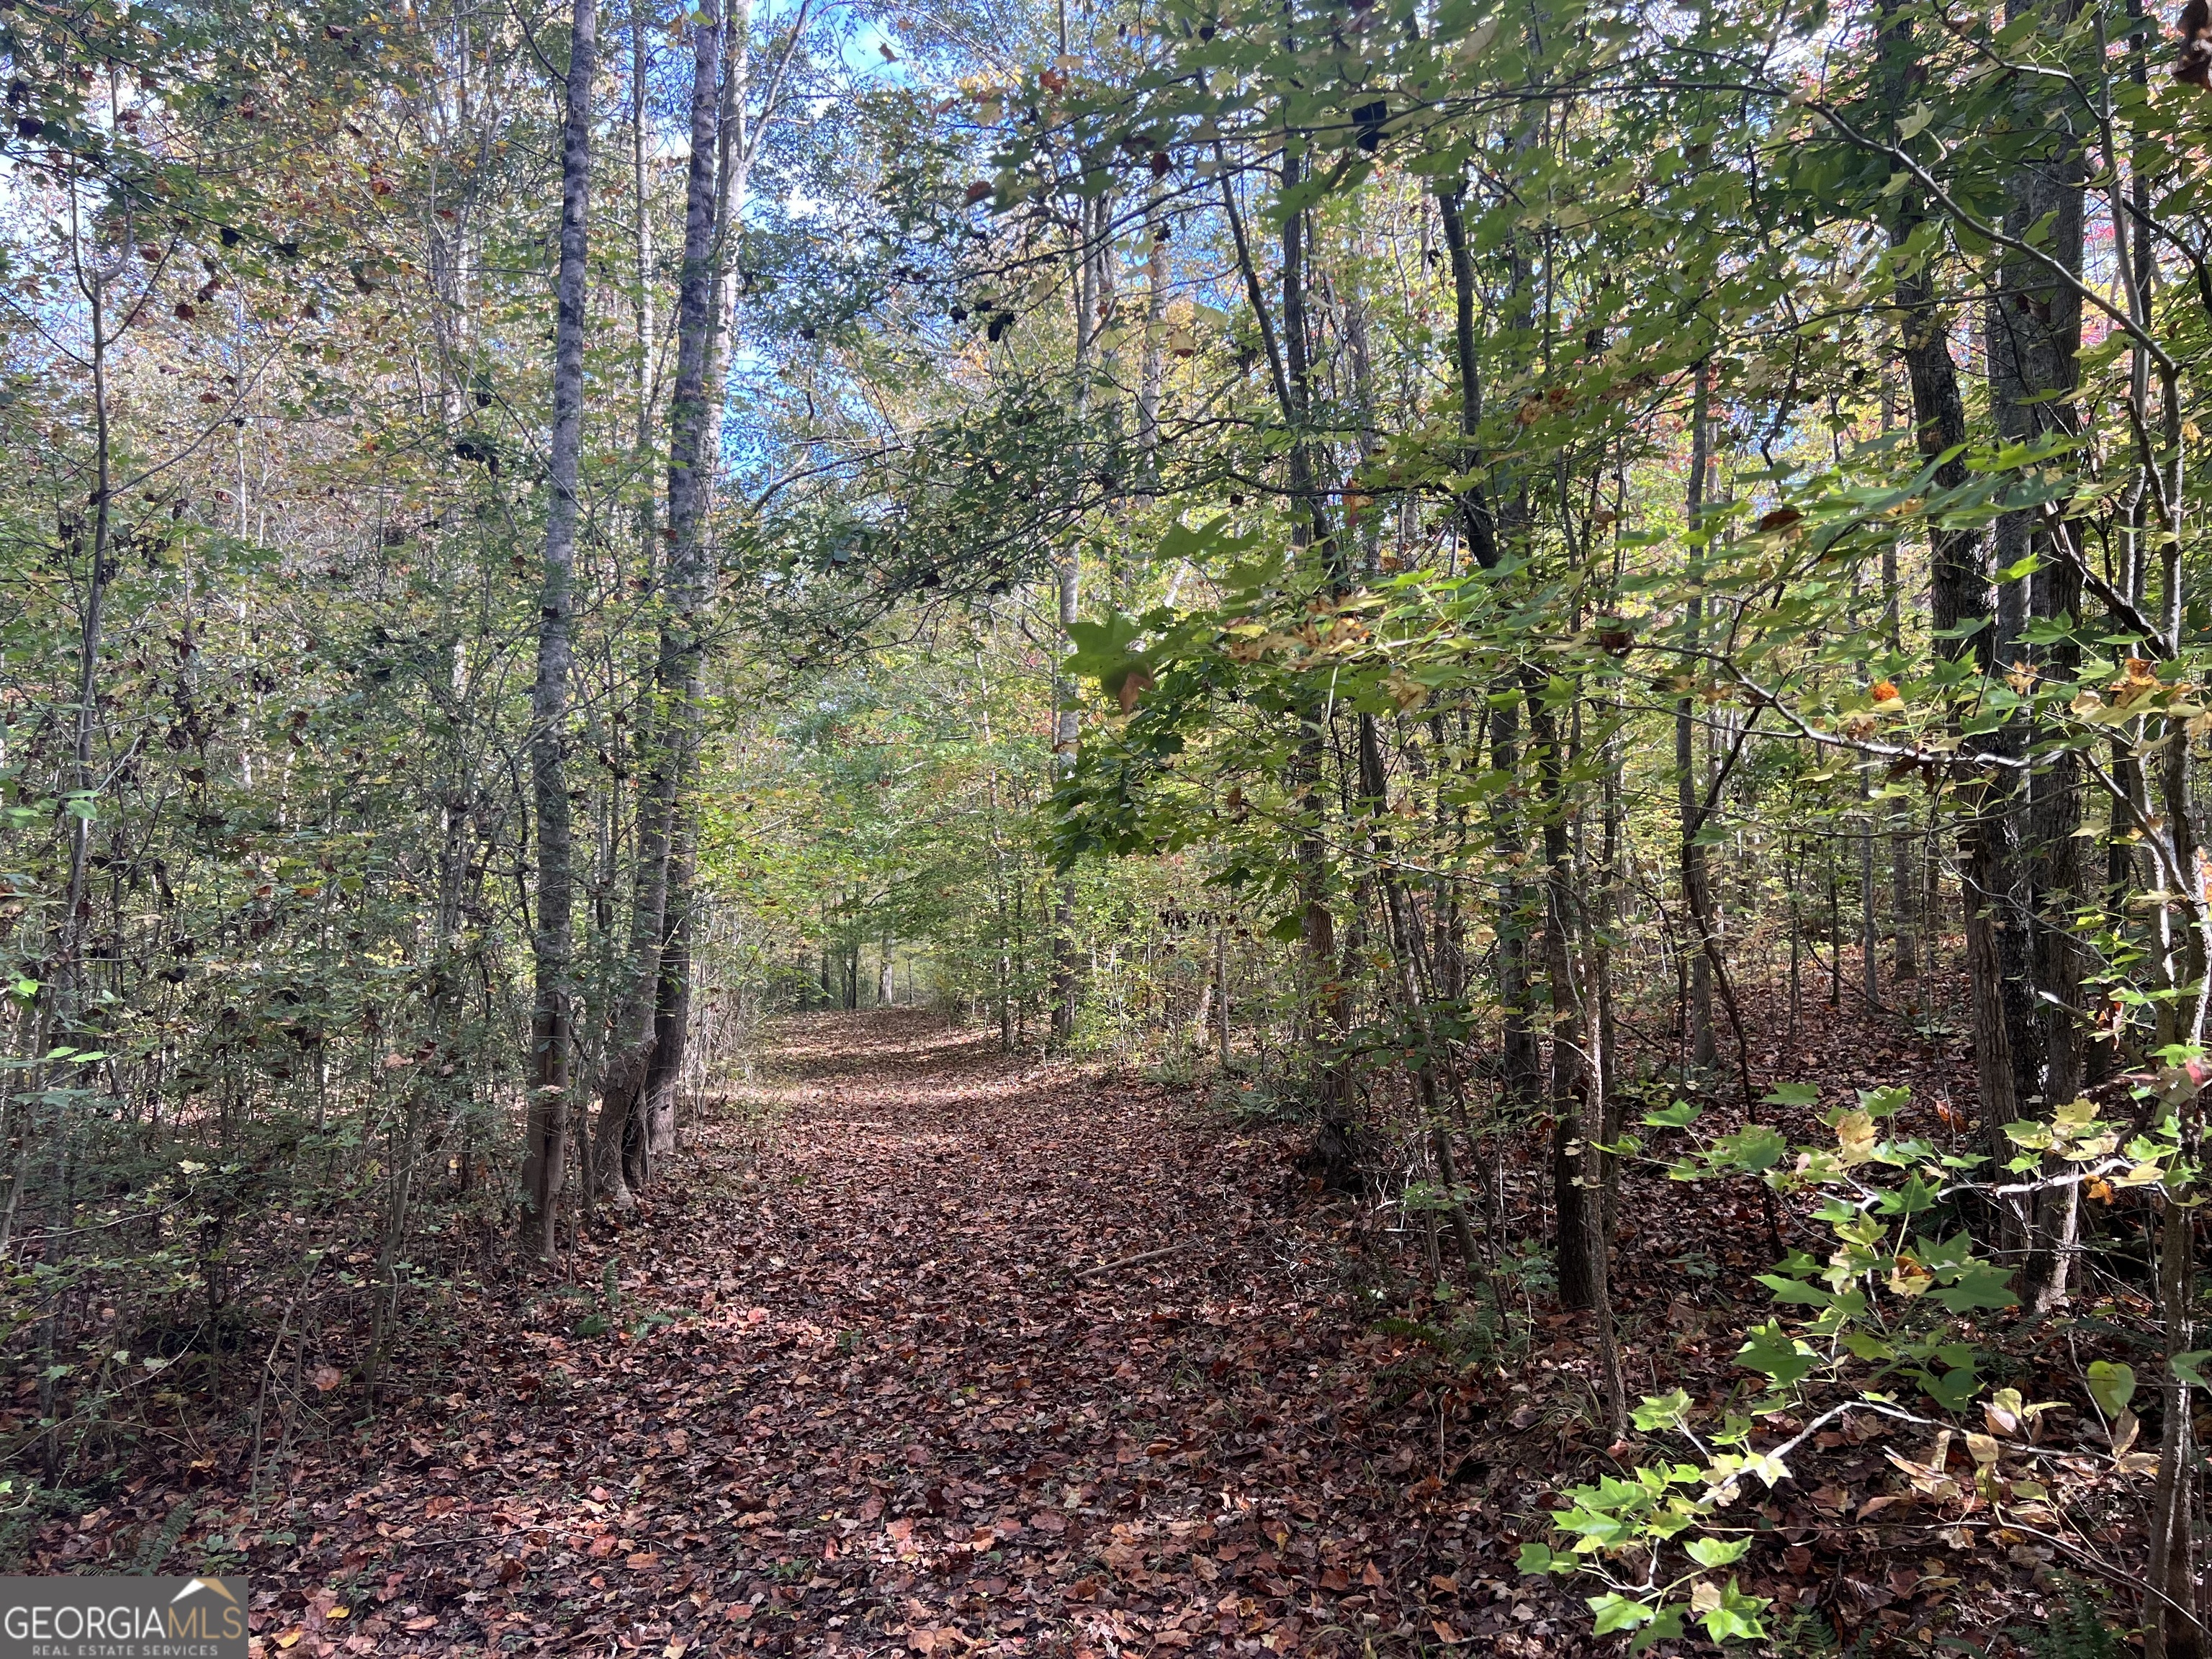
(1134, 1261)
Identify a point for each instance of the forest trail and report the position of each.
(873, 1384)
(1012, 1361)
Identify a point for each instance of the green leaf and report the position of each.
(1883, 1102)
(1716, 1552)
(1661, 1411)
(1954, 1390)
(1666, 1627)
(1793, 1094)
(2111, 1385)
(1914, 1196)
(1796, 1290)
(1535, 1558)
(1679, 1116)
(1616, 1612)
(1981, 1286)
(1751, 1149)
(2190, 1367)
(1738, 1615)
(1770, 1349)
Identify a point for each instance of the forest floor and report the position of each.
(924, 1349)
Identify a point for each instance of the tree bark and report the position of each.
(1960, 611)
(675, 713)
(2034, 327)
(1697, 899)
(546, 1130)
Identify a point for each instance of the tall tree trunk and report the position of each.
(1066, 741)
(1689, 748)
(1091, 249)
(676, 683)
(1289, 367)
(1575, 1199)
(1959, 599)
(1479, 525)
(546, 1131)
(2035, 332)
(61, 997)
(2171, 1627)
(1904, 961)
(641, 277)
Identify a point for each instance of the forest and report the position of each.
(1351, 827)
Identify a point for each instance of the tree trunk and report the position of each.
(1405, 936)
(546, 1130)
(1689, 748)
(1574, 1198)
(675, 713)
(671, 1010)
(1958, 588)
(2035, 332)
(1152, 372)
(2172, 1629)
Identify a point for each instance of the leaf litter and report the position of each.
(956, 1354)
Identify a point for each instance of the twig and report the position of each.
(1134, 1261)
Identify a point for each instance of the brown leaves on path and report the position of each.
(860, 1395)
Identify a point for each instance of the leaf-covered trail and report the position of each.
(946, 1418)
(950, 1354)
(894, 1413)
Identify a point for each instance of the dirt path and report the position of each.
(960, 1426)
(873, 1384)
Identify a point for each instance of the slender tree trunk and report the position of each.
(1405, 936)
(2035, 328)
(641, 277)
(61, 998)
(545, 1160)
(1958, 589)
(684, 593)
(1066, 741)
(1289, 366)
(1221, 991)
(2171, 1626)
(1575, 1199)
(1904, 961)
(1689, 748)
(672, 1008)
(1152, 369)
(1479, 525)
(1476, 522)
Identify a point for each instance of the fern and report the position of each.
(2074, 1630)
(155, 1548)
